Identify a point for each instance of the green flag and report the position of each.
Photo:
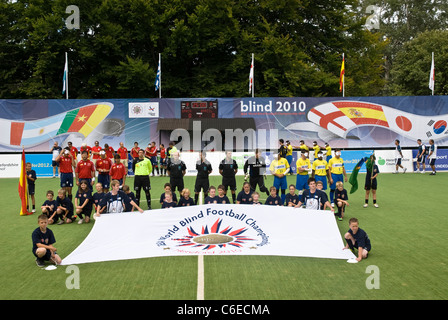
(354, 176)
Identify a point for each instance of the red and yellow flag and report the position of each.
(23, 187)
(341, 76)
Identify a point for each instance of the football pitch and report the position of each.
(408, 258)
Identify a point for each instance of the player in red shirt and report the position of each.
(151, 153)
(85, 147)
(96, 152)
(123, 153)
(66, 164)
(109, 151)
(118, 170)
(73, 150)
(162, 160)
(103, 166)
(85, 170)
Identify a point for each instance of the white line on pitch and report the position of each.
(200, 291)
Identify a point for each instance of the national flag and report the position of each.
(23, 187)
(82, 120)
(64, 78)
(342, 74)
(432, 75)
(251, 75)
(353, 180)
(157, 82)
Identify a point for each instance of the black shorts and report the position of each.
(432, 162)
(421, 159)
(398, 161)
(201, 184)
(31, 188)
(176, 183)
(370, 184)
(229, 182)
(142, 182)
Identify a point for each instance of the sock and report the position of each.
(196, 197)
(233, 197)
(374, 201)
(367, 201)
(283, 196)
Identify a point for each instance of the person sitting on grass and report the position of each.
(357, 239)
(185, 200)
(64, 209)
(168, 201)
(43, 240)
(273, 199)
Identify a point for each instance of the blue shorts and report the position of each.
(66, 179)
(336, 178)
(280, 183)
(104, 179)
(289, 159)
(302, 182)
(323, 179)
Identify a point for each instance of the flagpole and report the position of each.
(66, 77)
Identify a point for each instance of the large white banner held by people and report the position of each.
(217, 229)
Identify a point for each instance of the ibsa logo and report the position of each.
(205, 234)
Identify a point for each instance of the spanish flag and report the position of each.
(342, 74)
(23, 187)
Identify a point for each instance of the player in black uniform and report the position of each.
(176, 170)
(228, 169)
(204, 168)
(257, 168)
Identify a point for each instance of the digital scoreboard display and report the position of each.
(199, 109)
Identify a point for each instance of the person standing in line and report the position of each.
(398, 157)
(123, 153)
(176, 171)
(228, 169)
(142, 169)
(257, 168)
(320, 170)
(134, 153)
(204, 168)
(55, 151)
(432, 156)
(279, 168)
(289, 150)
(85, 170)
(66, 165)
(303, 164)
(421, 156)
(371, 182)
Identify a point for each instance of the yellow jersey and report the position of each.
(304, 146)
(320, 167)
(336, 165)
(304, 164)
(279, 166)
(316, 149)
(289, 150)
(328, 151)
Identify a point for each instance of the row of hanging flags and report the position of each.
(158, 80)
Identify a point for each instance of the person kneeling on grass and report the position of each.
(43, 240)
(357, 238)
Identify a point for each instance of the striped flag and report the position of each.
(342, 75)
(251, 76)
(82, 120)
(432, 75)
(65, 77)
(23, 187)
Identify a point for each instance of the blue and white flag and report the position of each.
(157, 82)
(64, 78)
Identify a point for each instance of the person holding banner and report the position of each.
(313, 198)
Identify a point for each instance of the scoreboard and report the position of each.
(199, 109)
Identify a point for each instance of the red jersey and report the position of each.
(86, 148)
(163, 153)
(65, 164)
(118, 171)
(85, 169)
(134, 152)
(109, 152)
(74, 152)
(123, 153)
(96, 149)
(104, 164)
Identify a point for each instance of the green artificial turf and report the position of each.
(408, 235)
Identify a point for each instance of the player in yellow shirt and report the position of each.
(328, 150)
(279, 168)
(337, 172)
(302, 165)
(316, 149)
(320, 170)
(289, 150)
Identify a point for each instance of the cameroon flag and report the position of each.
(84, 120)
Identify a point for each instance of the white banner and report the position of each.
(385, 160)
(218, 229)
(10, 165)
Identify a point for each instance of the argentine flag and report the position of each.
(64, 78)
